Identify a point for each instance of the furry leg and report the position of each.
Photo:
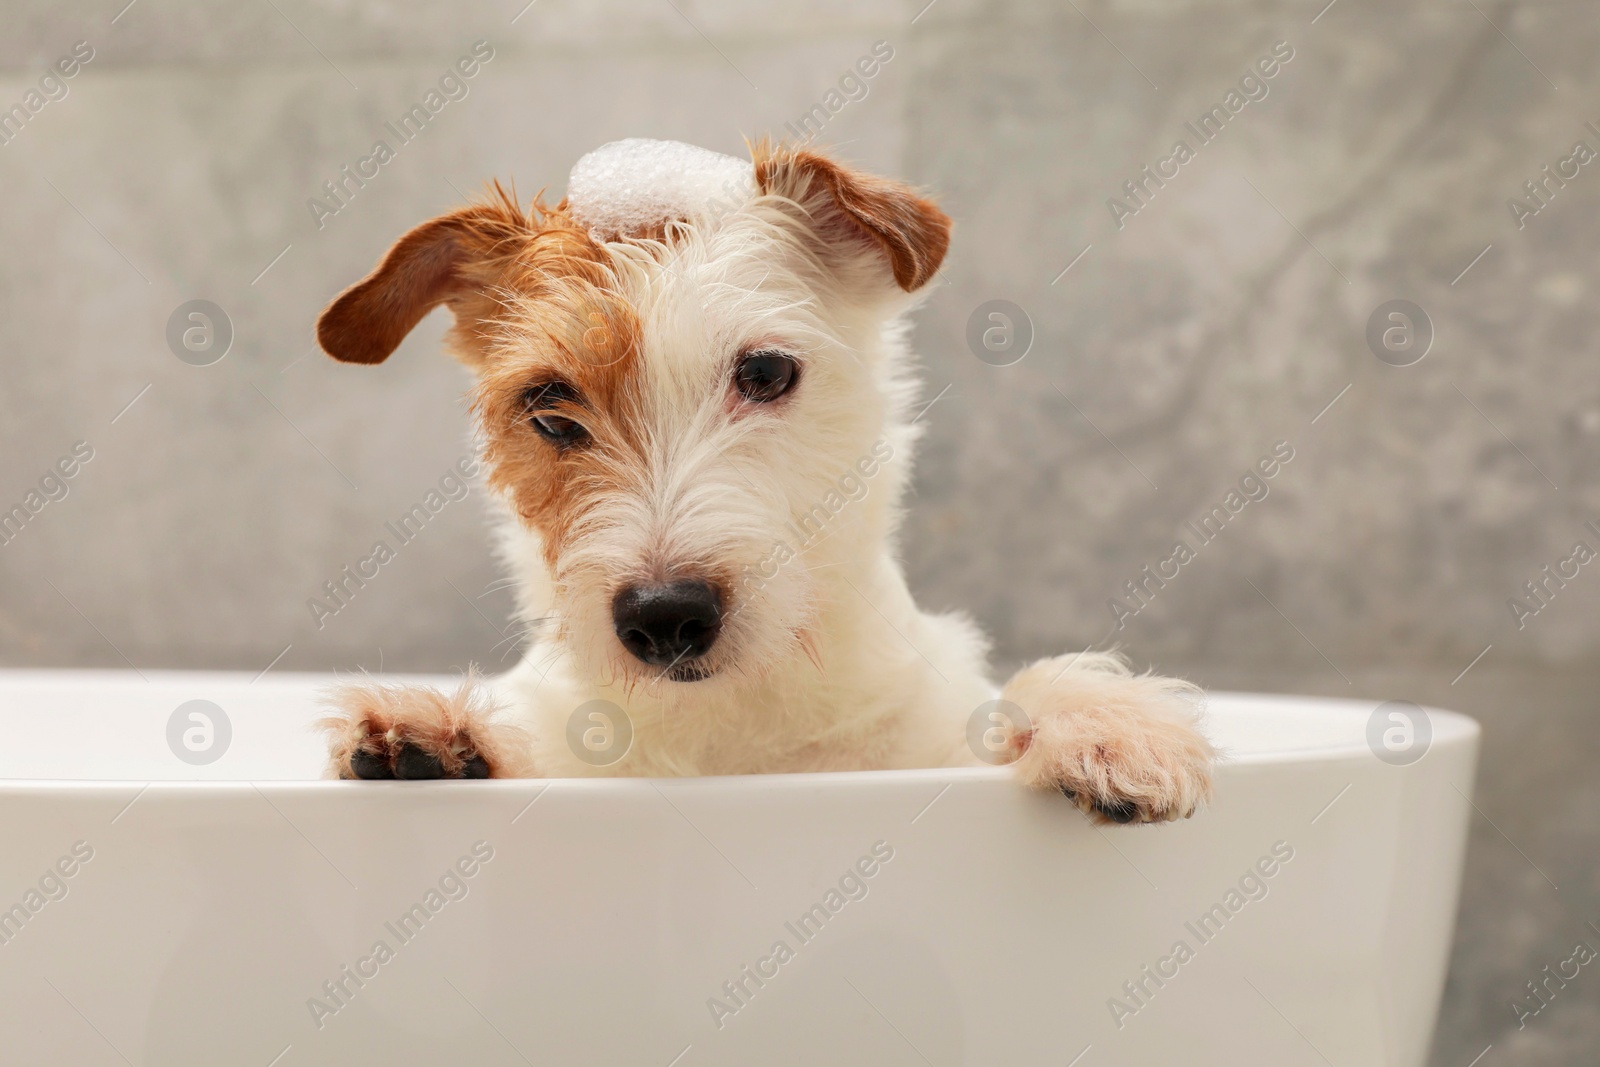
(1124, 747)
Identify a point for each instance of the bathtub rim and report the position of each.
(1449, 728)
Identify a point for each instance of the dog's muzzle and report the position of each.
(669, 625)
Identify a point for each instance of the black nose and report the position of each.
(667, 624)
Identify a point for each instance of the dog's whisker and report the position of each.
(497, 585)
(512, 640)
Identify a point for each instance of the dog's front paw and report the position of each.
(1124, 748)
(415, 732)
(1145, 772)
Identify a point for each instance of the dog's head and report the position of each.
(690, 391)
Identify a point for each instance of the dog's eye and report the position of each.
(559, 430)
(765, 375)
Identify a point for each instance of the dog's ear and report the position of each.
(851, 212)
(454, 259)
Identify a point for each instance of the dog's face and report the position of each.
(680, 419)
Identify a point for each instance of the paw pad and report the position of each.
(380, 757)
(1120, 812)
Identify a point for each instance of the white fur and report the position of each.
(884, 684)
(725, 491)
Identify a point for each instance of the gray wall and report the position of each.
(1222, 317)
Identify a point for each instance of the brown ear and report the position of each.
(453, 259)
(847, 206)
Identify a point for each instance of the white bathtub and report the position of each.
(216, 900)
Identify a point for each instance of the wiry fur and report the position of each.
(826, 664)
(378, 720)
(1099, 731)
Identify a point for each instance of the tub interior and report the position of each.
(113, 725)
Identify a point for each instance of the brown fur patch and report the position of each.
(564, 321)
(535, 301)
(912, 232)
(457, 259)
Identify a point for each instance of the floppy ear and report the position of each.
(454, 259)
(852, 212)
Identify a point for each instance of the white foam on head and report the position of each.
(632, 186)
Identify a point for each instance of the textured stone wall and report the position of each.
(1177, 338)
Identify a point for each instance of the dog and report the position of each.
(693, 402)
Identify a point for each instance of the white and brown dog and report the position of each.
(694, 397)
